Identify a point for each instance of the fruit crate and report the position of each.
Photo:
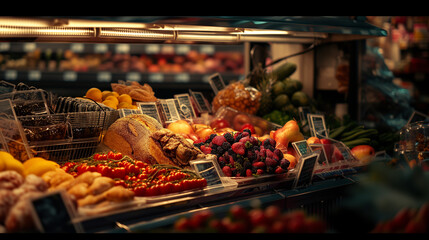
(79, 133)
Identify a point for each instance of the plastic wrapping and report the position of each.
(239, 97)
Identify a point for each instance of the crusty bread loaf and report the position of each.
(143, 138)
(130, 135)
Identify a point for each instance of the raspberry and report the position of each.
(218, 140)
(244, 139)
(270, 162)
(284, 163)
(259, 172)
(269, 142)
(238, 148)
(248, 172)
(245, 134)
(254, 141)
(278, 153)
(206, 150)
(227, 171)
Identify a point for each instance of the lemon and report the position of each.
(11, 163)
(94, 94)
(39, 166)
(125, 98)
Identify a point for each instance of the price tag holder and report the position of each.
(169, 110)
(317, 125)
(318, 148)
(200, 101)
(150, 109)
(305, 174)
(302, 148)
(185, 109)
(216, 82)
(123, 112)
(208, 169)
(417, 117)
(53, 213)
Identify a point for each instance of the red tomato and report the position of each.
(139, 190)
(248, 126)
(219, 123)
(119, 172)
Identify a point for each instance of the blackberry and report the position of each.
(238, 136)
(247, 130)
(198, 145)
(226, 146)
(220, 150)
(247, 165)
(213, 135)
(229, 138)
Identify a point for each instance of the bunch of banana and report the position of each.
(353, 134)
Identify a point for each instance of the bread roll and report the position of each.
(143, 138)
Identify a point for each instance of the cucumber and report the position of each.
(284, 70)
(360, 134)
(356, 142)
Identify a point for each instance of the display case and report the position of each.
(174, 55)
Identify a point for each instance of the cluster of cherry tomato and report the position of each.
(138, 176)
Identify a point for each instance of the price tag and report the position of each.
(54, 213)
(77, 47)
(303, 112)
(29, 47)
(208, 169)
(317, 125)
(169, 110)
(318, 148)
(4, 46)
(122, 48)
(416, 117)
(133, 76)
(216, 82)
(305, 174)
(125, 112)
(70, 76)
(301, 147)
(207, 49)
(101, 48)
(182, 77)
(152, 49)
(104, 77)
(185, 109)
(150, 109)
(10, 75)
(156, 77)
(34, 75)
(200, 101)
(182, 49)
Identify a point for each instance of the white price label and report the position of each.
(133, 77)
(4, 46)
(122, 48)
(70, 76)
(182, 77)
(156, 77)
(182, 49)
(77, 47)
(104, 77)
(34, 75)
(152, 49)
(10, 74)
(101, 48)
(29, 47)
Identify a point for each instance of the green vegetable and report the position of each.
(285, 70)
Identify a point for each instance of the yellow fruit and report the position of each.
(112, 98)
(40, 167)
(133, 107)
(125, 98)
(124, 105)
(94, 94)
(105, 94)
(11, 163)
(110, 103)
(115, 94)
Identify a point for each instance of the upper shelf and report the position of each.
(187, 29)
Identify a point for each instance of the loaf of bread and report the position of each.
(143, 138)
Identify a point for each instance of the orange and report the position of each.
(105, 94)
(94, 94)
(110, 103)
(125, 98)
(124, 105)
(115, 94)
(113, 99)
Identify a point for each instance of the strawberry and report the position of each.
(258, 165)
(206, 150)
(218, 140)
(259, 171)
(239, 148)
(248, 126)
(227, 171)
(279, 170)
(248, 172)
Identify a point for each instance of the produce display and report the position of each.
(236, 95)
(141, 178)
(254, 220)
